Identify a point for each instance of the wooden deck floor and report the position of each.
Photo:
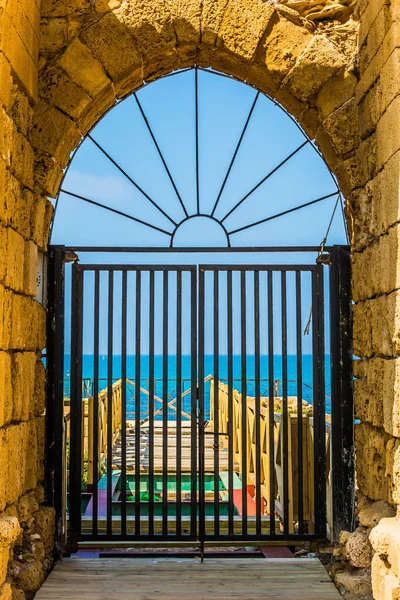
(171, 449)
(173, 579)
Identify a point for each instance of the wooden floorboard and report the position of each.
(157, 444)
(173, 579)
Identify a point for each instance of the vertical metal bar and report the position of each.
(257, 399)
(124, 301)
(285, 429)
(75, 467)
(96, 334)
(342, 410)
(178, 403)
(202, 529)
(299, 369)
(196, 91)
(55, 390)
(194, 402)
(230, 403)
(243, 351)
(151, 403)
(271, 403)
(110, 399)
(319, 400)
(165, 408)
(216, 407)
(138, 326)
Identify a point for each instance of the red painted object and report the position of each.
(276, 552)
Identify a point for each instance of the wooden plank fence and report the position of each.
(307, 444)
(88, 423)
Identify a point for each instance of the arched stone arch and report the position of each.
(93, 54)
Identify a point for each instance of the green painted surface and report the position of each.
(171, 483)
(171, 510)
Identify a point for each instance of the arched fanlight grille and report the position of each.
(157, 161)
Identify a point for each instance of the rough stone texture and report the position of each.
(385, 540)
(24, 219)
(92, 53)
(358, 548)
(58, 79)
(354, 584)
(373, 211)
(371, 513)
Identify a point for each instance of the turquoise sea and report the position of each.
(88, 372)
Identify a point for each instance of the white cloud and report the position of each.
(109, 189)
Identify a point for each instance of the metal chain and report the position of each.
(321, 251)
(329, 226)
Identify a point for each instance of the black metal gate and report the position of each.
(196, 407)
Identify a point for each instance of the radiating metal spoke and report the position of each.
(196, 93)
(125, 174)
(285, 212)
(236, 152)
(145, 119)
(265, 179)
(114, 210)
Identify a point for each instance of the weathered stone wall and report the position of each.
(93, 52)
(23, 230)
(374, 212)
(304, 54)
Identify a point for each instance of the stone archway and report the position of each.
(94, 55)
(303, 54)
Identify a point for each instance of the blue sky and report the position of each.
(224, 105)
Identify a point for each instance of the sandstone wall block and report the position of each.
(376, 33)
(23, 376)
(358, 548)
(22, 63)
(78, 62)
(45, 527)
(186, 20)
(64, 8)
(6, 400)
(345, 117)
(337, 91)
(384, 583)
(150, 24)
(314, 67)
(112, 45)
(372, 458)
(59, 89)
(29, 576)
(9, 530)
(274, 59)
(46, 132)
(241, 19)
(211, 18)
(6, 592)
(388, 133)
(385, 540)
(6, 82)
(373, 512)
(377, 394)
(354, 584)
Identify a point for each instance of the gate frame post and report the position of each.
(55, 389)
(342, 405)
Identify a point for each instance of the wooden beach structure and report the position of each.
(243, 417)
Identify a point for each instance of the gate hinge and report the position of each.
(70, 256)
(324, 258)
